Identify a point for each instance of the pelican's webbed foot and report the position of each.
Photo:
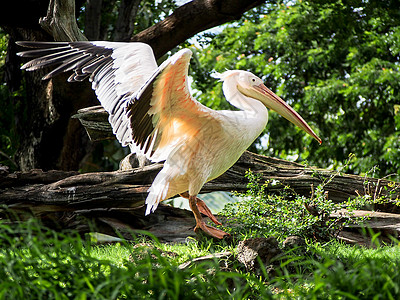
(199, 207)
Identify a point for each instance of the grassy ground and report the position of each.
(36, 263)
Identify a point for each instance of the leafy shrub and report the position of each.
(286, 213)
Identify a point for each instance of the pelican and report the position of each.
(152, 111)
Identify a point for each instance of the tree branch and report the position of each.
(190, 19)
(60, 21)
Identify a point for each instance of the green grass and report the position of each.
(37, 263)
(357, 273)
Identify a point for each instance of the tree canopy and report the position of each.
(336, 62)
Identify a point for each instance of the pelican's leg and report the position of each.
(201, 225)
(203, 208)
(206, 211)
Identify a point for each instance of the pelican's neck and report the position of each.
(236, 98)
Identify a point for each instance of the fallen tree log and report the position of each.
(386, 224)
(130, 186)
(115, 200)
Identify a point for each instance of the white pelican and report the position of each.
(151, 110)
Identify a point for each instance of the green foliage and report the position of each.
(148, 14)
(286, 213)
(336, 63)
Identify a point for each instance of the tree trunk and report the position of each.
(50, 139)
(93, 19)
(126, 20)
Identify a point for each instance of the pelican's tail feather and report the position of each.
(157, 193)
(160, 189)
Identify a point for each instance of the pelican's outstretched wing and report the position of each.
(150, 107)
(164, 115)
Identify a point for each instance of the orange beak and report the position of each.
(274, 102)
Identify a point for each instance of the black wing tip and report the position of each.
(37, 46)
(44, 44)
(40, 51)
(40, 44)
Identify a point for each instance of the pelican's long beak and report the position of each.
(274, 102)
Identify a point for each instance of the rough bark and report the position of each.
(60, 21)
(115, 200)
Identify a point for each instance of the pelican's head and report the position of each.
(252, 86)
